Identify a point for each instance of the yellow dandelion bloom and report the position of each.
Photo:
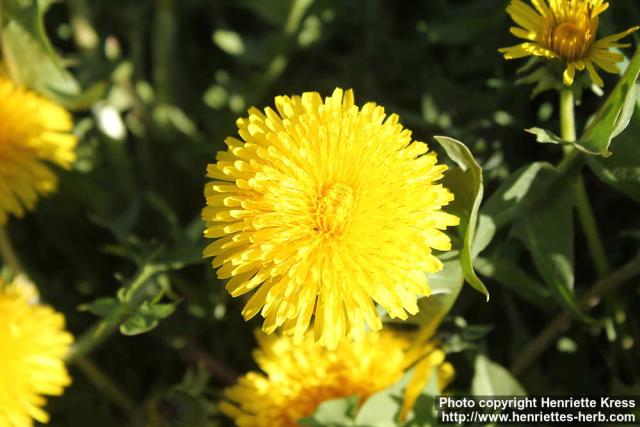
(33, 342)
(565, 30)
(296, 379)
(33, 131)
(325, 208)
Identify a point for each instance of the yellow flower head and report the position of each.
(296, 379)
(33, 342)
(33, 131)
(325, 207)
(565, 30)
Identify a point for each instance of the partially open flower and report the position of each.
(295, 380)
(565, 30)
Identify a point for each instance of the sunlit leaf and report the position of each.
(466, 183)
(491, 379)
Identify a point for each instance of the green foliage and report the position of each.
(611, 119)
(491, 379)
(621, 171)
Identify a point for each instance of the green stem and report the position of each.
(8, 253)
(139, 290)
(164, 29)
(583, 206)
(104, 384)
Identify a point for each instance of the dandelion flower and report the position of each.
(324, 208)
(565, 30)
(34, 133)
(296, 379)
(33, 342)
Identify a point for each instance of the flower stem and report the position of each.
(583, 206)
(139, 291)
(8, 253)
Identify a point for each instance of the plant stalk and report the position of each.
(583, 206)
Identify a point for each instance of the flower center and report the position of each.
(572, 41)
(334, 208)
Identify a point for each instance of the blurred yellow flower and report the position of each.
(565, 30)
(326, 208)
(296, 379)
(33, 131)
(33, 342)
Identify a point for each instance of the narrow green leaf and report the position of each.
(549, 237)
(466, 183)
(545, 136)
(613, 116)
(491, 379)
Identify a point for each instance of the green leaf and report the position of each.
(146, 318)
(614, 115)
(466, 183)
(506, 204)
(101, 306)
(445, 285)
(333, 413)
(545, 136)
(503, 268)
(491, 379)
(383, 408)
(27, 52)
(424, 414)
(548, 234)
(622, 169)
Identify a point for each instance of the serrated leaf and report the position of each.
(491, 379)
(613, 116)
(466, 183)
